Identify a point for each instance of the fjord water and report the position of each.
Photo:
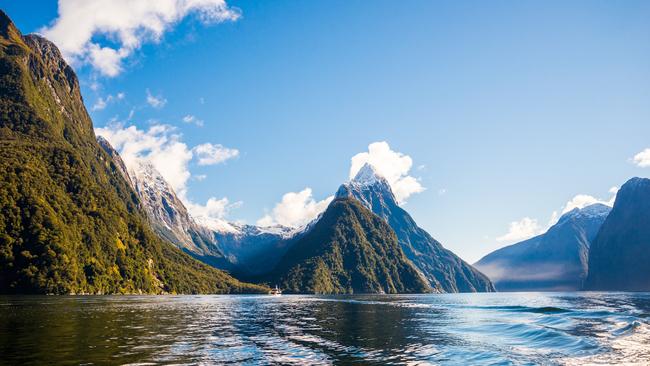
(497, 328)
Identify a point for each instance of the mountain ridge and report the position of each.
(242, 249)
(349, 250)
(556, 260)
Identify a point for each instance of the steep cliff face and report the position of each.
(349, 250)
(117, 159)
(71, 222)
(445, 271)
(619, 258)
(169, 216)
(245, 250)
(553, 261)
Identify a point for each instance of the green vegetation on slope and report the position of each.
(70, 223)
(349, 250)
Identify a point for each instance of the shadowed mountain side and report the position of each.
(553, 261)
(349, 250)
(619, 259)
(445, 271)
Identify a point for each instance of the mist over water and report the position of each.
(512, 328)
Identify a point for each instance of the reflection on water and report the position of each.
(525, 328)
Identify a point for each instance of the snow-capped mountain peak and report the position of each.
(217, 225)
(593, 211)
(367, 175)
(368, 186)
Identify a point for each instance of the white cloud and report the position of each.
(642, 159)
(393, 165)
(99, 104)
(521, 230)
(296, 209)
(214, 208)
(102, 103)
(192, 119)
(210, 154)
(162, 147)
(584, 200)
(156, 101)
(127, 24)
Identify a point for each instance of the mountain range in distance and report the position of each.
(595, 248)
(77, 219)
(556, 260)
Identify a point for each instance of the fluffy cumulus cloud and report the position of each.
(584, 200)
(392, 165)
(642, 159)
(295, 209)
(521, 230)
(162, 146)
(210, 154)
(214, 208)
(125, 24)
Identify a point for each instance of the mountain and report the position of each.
(348, 250)
(70, 221)
(252, 250)
(167, 214)
(445, 271)
(554, 261)
(117, 159)
(245, 250)
(619, 259)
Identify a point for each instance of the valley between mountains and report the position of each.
(77, 220)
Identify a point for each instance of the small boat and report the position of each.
(275, 291)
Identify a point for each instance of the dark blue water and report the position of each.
(464, 329)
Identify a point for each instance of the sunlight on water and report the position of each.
(519, 329)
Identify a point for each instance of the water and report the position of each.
(476, 329)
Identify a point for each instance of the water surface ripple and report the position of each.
(450, 329)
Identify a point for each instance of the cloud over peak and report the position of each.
(127, 24)
(392, 165)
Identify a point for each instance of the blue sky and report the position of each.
(507, 109)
